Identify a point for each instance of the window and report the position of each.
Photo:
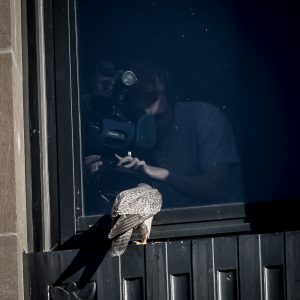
(229, 120)
(191, 48)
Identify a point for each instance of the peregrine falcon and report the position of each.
(133, 208)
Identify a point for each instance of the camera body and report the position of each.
(111, 124)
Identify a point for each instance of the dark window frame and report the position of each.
(68, 226)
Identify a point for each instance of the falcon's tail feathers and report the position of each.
(119, 244)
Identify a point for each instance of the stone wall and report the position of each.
(13, 236)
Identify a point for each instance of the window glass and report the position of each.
(196, 98)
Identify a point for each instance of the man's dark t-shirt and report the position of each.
(199, 137)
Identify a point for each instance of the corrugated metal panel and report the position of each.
(248, 267)
(226, 268)
(157, 285)
(293, 265)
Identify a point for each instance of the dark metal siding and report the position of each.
(249, 267)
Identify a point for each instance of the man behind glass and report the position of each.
(194, 160)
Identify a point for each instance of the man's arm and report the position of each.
(211, 184)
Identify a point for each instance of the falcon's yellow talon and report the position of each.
(143, 242)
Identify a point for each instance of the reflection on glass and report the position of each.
(168, 97)
(185, 149)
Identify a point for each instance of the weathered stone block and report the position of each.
(7, 170)
(9, 268)
(5, 24)
(19, 155)
(16, 41)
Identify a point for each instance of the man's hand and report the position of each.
(134, 163)
(92, 163)
(210, 184)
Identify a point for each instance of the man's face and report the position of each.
(158, 108)
(162, 113)
(152, 98)
(155, 103)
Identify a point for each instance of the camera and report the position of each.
(112, 124)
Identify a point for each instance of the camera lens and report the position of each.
(129, 78)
